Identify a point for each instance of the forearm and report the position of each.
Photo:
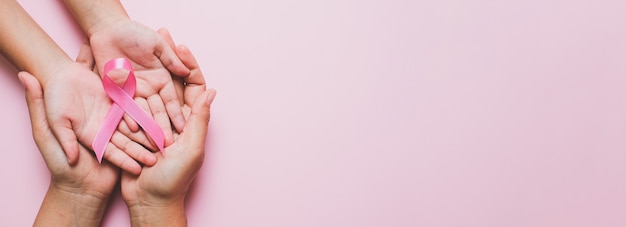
(93, 14)
(26, 45)
(62, 208)
(171, 214)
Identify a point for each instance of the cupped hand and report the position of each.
(153, 60)
(169, 179)
(75, 106)
(87, 176)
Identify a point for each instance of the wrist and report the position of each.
(53, 71)
(104, 22)
(65, 207)
(162, 213)
(84, 195)
(95, 15)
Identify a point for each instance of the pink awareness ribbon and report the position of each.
(123, 102)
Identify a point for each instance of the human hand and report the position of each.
(156, 196)
(152, 60)
(76, 104)
(78, 192)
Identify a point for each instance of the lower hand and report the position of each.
(157, 195)
(79, 191)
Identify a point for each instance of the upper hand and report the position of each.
(153, 59)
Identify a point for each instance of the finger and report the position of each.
(168, 57)
(62, 130)
(194, 83)
(120, 159)
(179, 85)
(85, 57)
(190, 62)
(40, 129)
(35, 103)
(133, 149)
(197, 124)
(165, 34)
(128, 179)
(143, 103)
(160, 116)
(34, 100)
(132, 124)
(139, 137)
(173, 106)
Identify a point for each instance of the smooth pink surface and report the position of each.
(123, 103)
(382, 113)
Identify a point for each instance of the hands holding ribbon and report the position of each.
(156, 196)
(68, 104)
(112, 34)
(75, 100)
(86, 183)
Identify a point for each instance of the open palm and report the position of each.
(75, 108)
(153, 60)
(87, 176)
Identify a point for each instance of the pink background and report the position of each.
(382, 113)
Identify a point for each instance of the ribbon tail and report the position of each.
(126, 102)
(112, 119)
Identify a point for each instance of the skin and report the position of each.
(60, 119)
(78, 194)
(156, 197)
(73, 119)
(113, 34)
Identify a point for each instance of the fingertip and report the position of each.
(182, 69)
(28, 80)
(20, 76)
(150, 160)
(203, 103)
(85, 56)
(178, 122)
(200, 111)
(171, 60)
(182, 48)
(184, 54)
(120, 159)
(131, 166)
(169, 139)
(131, 123)
(72, 154)
(135, 169)
(210, 96)
(163, 31)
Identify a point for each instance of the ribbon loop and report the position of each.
(123, 102)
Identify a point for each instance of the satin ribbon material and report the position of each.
(123, 102)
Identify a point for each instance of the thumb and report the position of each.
(41, 124)
(168, 57)
(42, 135)
(35, 103)
(62, 130)
(198, 120)
(85, 56)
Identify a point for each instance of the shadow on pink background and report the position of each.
(382, 113)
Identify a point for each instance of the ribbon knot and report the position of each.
(123, 102)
